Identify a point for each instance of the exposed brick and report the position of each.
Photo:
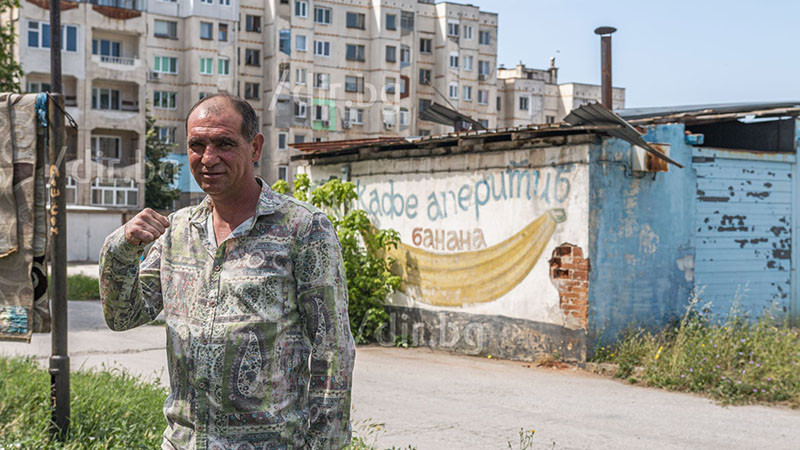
(569, 272)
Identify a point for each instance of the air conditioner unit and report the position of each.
(325, 123)
(345, 124)
(482, 77)
(155, 76)
(388, 125)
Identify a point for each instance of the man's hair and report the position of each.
(249, 119)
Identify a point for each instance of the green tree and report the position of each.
(158, 194)
(369, 278)
(10, 70)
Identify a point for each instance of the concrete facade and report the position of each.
(526, 96)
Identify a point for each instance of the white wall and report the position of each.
(457, 201)
(87, 228)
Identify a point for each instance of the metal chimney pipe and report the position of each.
(605, 58)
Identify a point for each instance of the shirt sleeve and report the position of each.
(130, 289)
(322, 300)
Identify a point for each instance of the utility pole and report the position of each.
(59, 359)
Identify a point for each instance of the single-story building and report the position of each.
(552, 238)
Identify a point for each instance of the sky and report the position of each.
(674, 52)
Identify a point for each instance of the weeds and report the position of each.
(82, 287)
(737, 361)
(109, 409)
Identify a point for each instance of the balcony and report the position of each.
(113, 52)
(114, 148)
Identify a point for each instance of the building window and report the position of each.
(283, 173)
(468, 59)
(106, 148)
(453, 91)
(484, 123)
(252, 57)
(300, 76)
(550, 119)
(426, 45)
(301, 8)
(484, 37)
(407, 20)
(454, 60)
(391, 53)
(354, 52)
(353, 84)
(452, 28)
(206, 66)
(321, 113)
(391, 21)
(165, 28)
(114, 192)
(285, 41)
(299, 138)
(389, 117)
(468, 32)
(203, 95)
(467, 93)
(405, 55)
(103, 98)
(424, 76)
(355, 116)
(499, 104)
(166, 134)
(210, 2)
(483, 68)
(356, 20)
(223, 66)
(223, 32)
(301, 110)
(300, 43)
(206, 30)
(165, 99)
(322, 48)
(283, 138)
(404, 117)
(483, 97)
(523, 103)
(424, 104)
(389, 85)
(252, 23)
(251, 91)
(39, 36)
(404, 86)
(322, 80)
(222, 2)
(104, 47)
(322, 15)
(165, 64)
(38, 87)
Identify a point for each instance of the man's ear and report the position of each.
(258, 143)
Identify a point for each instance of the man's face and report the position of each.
(220, 158)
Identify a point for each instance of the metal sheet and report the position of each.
(743, 211)
(597, 114)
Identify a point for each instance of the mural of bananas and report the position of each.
(476, 276)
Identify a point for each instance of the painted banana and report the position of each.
(476, 276)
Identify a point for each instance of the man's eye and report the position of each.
(197, 147)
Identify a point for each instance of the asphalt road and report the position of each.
(434, 400)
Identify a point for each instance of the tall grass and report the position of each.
(735, 361)
(109, 410)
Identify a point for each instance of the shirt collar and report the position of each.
(268, 203)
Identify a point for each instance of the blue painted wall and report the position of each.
(640, 230)
(185, 181)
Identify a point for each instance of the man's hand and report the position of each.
(145, 227)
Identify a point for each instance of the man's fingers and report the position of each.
(154, 228)
(140, 236)
(156, 217)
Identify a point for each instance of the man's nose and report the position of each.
(210, 156)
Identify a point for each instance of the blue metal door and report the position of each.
(743, 231)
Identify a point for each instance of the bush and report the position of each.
(369, 279)
(81, 287)
(108, 409)
(735, 361)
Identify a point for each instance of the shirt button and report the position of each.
(201, 385)
(204, 342)
(217, 268)
(212, 303)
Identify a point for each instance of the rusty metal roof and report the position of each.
(333, 146)
(598, 115)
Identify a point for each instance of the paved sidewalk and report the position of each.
(435, 400)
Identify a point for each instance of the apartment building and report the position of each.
(104, 76)
(364, 68)
(526, 96)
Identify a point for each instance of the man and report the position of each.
(253, 291)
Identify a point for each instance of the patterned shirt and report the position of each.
(259, 347)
